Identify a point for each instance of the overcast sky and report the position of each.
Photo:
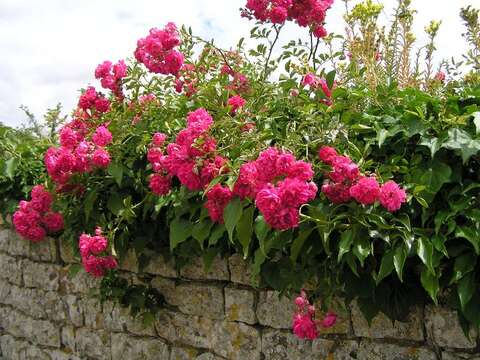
(50, 48)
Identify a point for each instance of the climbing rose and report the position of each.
(41, 199)
(101, 158)
(160, 184)
(102, 136)
(365, 190)
(304, 327)
(329, 320)
(337, 193)
(392, 196)
(236, 102)
(327, 154)
(91, 248)
(53, 222)
(217, 199)
(158, 139)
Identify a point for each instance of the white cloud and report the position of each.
(50, 48)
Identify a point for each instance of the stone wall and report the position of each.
(45, 314)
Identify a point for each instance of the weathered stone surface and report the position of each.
(17, 245)
(182, 353)
(5, 289)
(129, 262)
(66, 252)
(40, 332)
(4, 240)
(383, 327)
(279, 345)
(40, 275)
(80, 283)
(10, 269)
(134, 348)
(91, 309)
(15, 349)
(275, 311)
(444, 329)
(74, 310)
(159, 266)
(184, 329)
(342, 326)
(240, 271)
(94, 344)
(236, 341)
(196, 270)
(67, 337)
(166, 287)
(240, 305)
(45, 250)
(446, 355)
(381, 351)
(200, 299)
(339, 349)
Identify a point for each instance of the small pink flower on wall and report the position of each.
(93, 251)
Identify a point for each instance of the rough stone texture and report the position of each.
(239, 270)
(217, 315)
(134, 348)
(275, 311)
(196, 270)
(383, 327)
(240, 305)
(444, 329)
(381, 351)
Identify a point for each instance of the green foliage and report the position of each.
(423, 135)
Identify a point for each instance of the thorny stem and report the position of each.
(222, 53)
(315, 54)
(272, 45)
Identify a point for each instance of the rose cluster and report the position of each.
(111, 76)
(279, 184)
(304, 326)
(186, 80)
(35, 218)
(93, 102)
(92, 251)
(157, 50)
(191, 158)
(315, 83)
(304, 12)
(345, 183)
(76, 153)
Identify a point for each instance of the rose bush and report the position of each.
(352, 173)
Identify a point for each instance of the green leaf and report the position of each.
(362, 248)
(11, 166)
(463, 265)
(231, 215)
(386, 266)
(399, 258)
(466, 289)
(430, 283)
(476, 121)
(245, 229)
(460, 140)
(180, 230)
(330, 78)
(425, 252)
(261, 228)
(298, 243)
(89, 203)
(432, 143)
(116, 171)
(73, 270)
(471, 234)
(346, 241)
(201, 231)
(216, 234)
(115, 203)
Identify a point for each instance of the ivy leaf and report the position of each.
(432, 143)
(386, 266)
(476, 121)
(180, 230)
(346, 241)
(116, 171)
(245, 229)
(298, 243)
(430, 283)
(231, 215)
(466, 289)
(425, 252)
(399, 258)
(471, 234)
(11, 166)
